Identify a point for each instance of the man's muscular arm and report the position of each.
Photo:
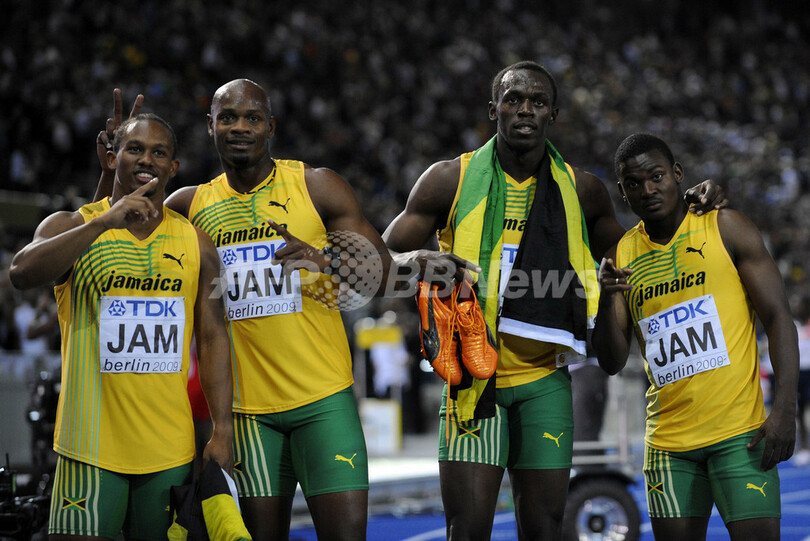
(426, 212)
(338, 207)
(213, 346)
(63, 236)
(604, 230)
(180, 200)
(765, 288)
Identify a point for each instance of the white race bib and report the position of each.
(255, 287)
(141, 335)
(508, 255)
(684, 340)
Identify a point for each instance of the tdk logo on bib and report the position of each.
(250, 253)
(679, 314)
(143, 308)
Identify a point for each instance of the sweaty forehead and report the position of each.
(143, 129)
(246, 98)
(524, 78)
(644, 161)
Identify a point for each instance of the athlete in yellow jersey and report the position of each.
(688, 286)
(295, 416)
(134, 280)
(520, 360)
(530, 434)
(271, 315)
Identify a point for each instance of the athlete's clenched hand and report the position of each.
(220, 450)
(779, 431)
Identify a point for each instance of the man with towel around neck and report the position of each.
(523, 220)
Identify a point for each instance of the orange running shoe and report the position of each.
(478, 348)
(437, 329)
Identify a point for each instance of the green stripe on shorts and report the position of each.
(726, 474)
(74, 500)
(91, 501)
(533, 428)
(480, 441)
(662, 501)
(250, 460)
(320, 445)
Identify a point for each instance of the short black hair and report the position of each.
(523, 65)
(119, 133)
(639, 143)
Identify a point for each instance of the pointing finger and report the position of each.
(281, 230)
(146, 187)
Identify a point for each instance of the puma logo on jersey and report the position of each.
(277, 204)
(339, 458)
(761, 489)
(699, 251)
(656, 488)
(79, 504)
(550, 437)
(462, 431)
(170, 256)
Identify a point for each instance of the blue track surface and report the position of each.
(795, 517)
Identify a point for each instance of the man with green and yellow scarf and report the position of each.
(529, 226)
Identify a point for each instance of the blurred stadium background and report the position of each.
(378, 91)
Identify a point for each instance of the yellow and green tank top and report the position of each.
(521, 360)
(126, 313)
(695, 326)
(289, 348)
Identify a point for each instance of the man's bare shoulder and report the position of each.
(585, 179)
(58, 222)
(331, 194)
(438, 184)
(180, 200)
(318, 176)
(737, 230)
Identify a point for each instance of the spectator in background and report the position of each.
(37, 322)
(9, 337)
(388, 356)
